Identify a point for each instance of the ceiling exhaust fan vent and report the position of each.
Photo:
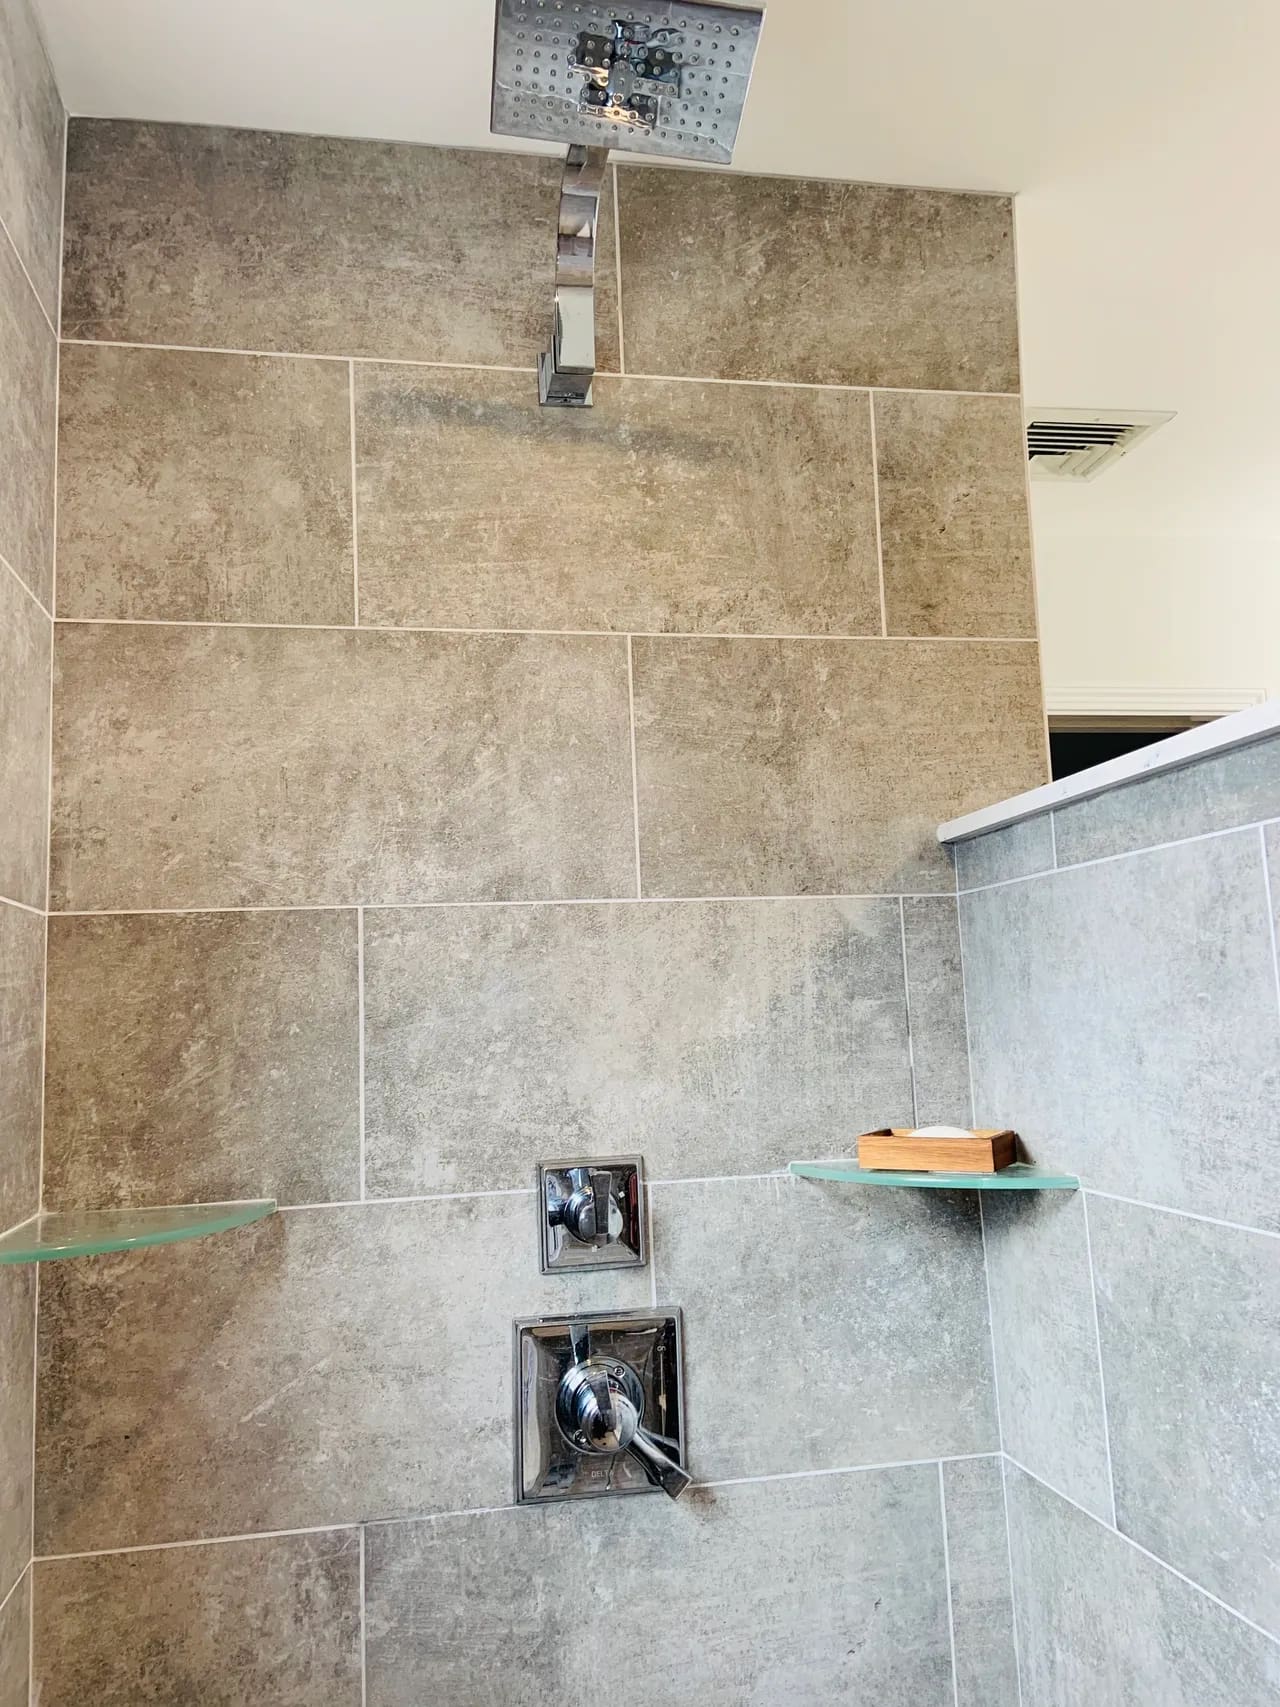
(1077, 444)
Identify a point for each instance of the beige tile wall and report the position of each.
(32, 133)
(441, 783)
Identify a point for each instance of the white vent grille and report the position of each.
(1077, 444)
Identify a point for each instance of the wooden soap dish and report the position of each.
(980, 1151)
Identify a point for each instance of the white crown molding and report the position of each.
(1120, 699)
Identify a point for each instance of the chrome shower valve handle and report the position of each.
(600, 1409)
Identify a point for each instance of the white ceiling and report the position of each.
(1141, 134)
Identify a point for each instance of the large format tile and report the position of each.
(935, 994)
(686, 507)
(819, 1309)
(26, 648)
(273, 1621)
(28, 428)
(734, 277)
(31, 132)
(1019, 850)
(981, 1607)
(202, 486)
(208, 767)
(1120, 1013)
(181, 234)
(1215, 793)
(1189, 1315)
(1046, 1342)
(953, 515)
(1100, 1623)
(715, 1038)
(201, 1056)
(17, 1393)
(808, 1592)
(15, 1644)
(21, 1070)
(323, 1366)
(781, 767)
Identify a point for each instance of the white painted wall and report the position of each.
(1150, 278)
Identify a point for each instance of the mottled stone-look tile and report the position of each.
(273, 1621)
(807, 1593)
(26, 658)
(31, 131)
(15, 1644)
(185, 234)
(981, 1607)
(668, 507)
(713, 1037)
(17, 1354)
(1120, 1013)
(953, 515)
(935, 994)
(202, 1056)
(1189, 1315)
(21, 1043)
(28, 428)
(1018, 850)
(772, 767)
(197, 486)
(855, 1348)
(1215, 793)
(1100, 1623)
(323, 1366)
(217, 767)
(1045, 1335)
(734, 277)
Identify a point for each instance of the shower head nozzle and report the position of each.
(652, 77)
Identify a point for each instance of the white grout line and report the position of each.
(14, 1586)
(635, 771)
(722, 1179)
(1097, 1340)
(906, 992)
(360, 1043)
(1053, 839)
(1182, 1214)
(1013, 1588)
(946, 1566)
(1146, 1552)
(1128, 853)
(437, 906)
(391, 1202)
(991, 1323)
(195, 1541)
(5, 564)
(17, 255)
(508, 367)
(848, 1470)
(875, 502)
(355, 526)
(364, 1668)
(1269, 900)
(964, 1003)
(22, 906)
(617, 267)
(653, 1260)
(382, 628)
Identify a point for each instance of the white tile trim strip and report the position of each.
(1146, 1553)
(946, 1571)
(1221, 736)
(487, 1510)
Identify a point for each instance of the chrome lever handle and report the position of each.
(585, 1212)
(662, 1471)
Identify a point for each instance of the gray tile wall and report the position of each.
(441, 783)
(1123, 997)
(32, 133)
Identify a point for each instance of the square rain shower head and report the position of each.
(652, 77)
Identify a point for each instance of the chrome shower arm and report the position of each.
(566, 370)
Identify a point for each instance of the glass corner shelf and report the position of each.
(1020, 1176)
(88, 1232)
